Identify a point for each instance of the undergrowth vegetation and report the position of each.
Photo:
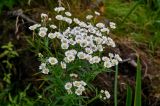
(55, 62)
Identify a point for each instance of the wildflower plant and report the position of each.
(73, 46)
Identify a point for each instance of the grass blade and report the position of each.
(115, 86)
(129, 96)
(137, 99)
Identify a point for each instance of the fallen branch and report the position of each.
(19, 13)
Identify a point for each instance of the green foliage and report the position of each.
(9, 53)
(129, 96)
(138, 93)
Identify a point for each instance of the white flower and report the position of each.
(42, 33)
(52, 60)
(68, 85)
(78, 92)
(45, 71)
(53, 26)
(69, 91)
(68, 20)
(107, 64)
(68, 14)
(111, 42)
(49, 19)
(83, 43)
(114, 62)
(102, 91)
(104, 94)
(83, 83)
(43, 29)
(42, 66)
(118, 57)
(63, 65)
(112, 25)
(51, 35)
(66, 60)
(64, 45)
(82, 88)
(77, 83)
(97, 13)
(96, 59)
(104, 58)
(59, 17)
(70, 58)
(81, 55)
(88, 17)
(111, 55)
(100, 48)
(58, 9)
(44, 15)
(88, 57)
(73, 75)
(98, 40)
(88, 50)
(100, 25)
(76, 20)
(105, 30)
(107, 94)
(35, 26)
(58, 35)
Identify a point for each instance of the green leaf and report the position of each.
(137, 99)
(129, 96)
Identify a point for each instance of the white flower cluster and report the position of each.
(83, 41)
(77, 86)
(51, 61)
(44, 69)
(104, 94)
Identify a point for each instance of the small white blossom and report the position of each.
(51, 35)
(68, 14)
(97, 13)
(107, 94)
(78, 92)
(68, 85)
(42, 66)
(118, 57)
(107, 64)
(58, 9)
(104, 94)
(59, 17)
(53, 26)
(43, 29)
(42, 33)
(44, 15)
(100, 25)
(45, 71)
(35, 26)
(70, 58)
(73, 75)
(105, 30)
(63, 65)
(114, 62)
(77, 83)
(64, 45)
(68, 20)
(81, 55)
(112, 25)
(52, 60)
(104, 58)
(88, 17)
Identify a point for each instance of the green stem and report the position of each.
(115, 86)
(90, 101)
